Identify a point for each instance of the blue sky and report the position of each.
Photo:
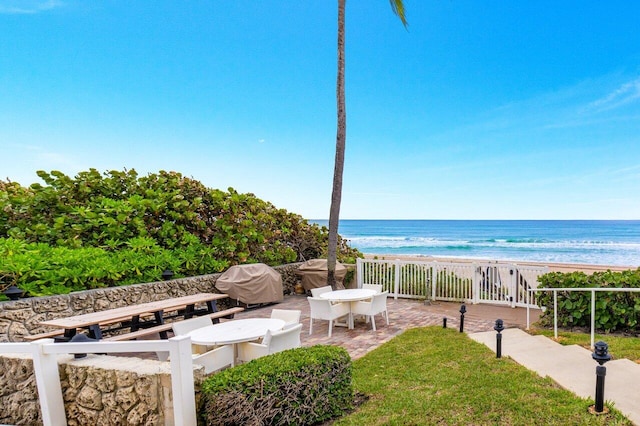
(480, 110)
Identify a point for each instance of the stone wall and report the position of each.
(21, 317)
(98, 389)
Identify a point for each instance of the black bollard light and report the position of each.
(444, 322)
(13, 292)
(81, 338)
(601, 355)
(167, 274)
(463, 309)
(499, 327)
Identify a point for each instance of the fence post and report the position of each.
(528, 307)
(182, 388)
(45, 367)
(555, 314)
(434, 280)
(476, 284)
(512, 285)
(358, 272)
(396, 278)
(593, 315)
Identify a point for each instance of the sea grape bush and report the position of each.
(130, 227)
(614, 311)
(41, 270)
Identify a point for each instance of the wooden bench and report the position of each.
(60, 332)
(46, 335)
(134, 334)
(167, 326)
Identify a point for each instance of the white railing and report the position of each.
(45, 366)
(481, 282)
(593, 304)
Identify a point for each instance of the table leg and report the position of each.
(235, 354)
(212, 307)
(135, 323)
(68, 334)
(350, 317)
(95, 332)
(160, 320)
(188, 311)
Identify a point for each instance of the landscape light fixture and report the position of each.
(81, 338)
(167, 274)
(463, 309)
(499, 327)
(601, 355)
(13, 292)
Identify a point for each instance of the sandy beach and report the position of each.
(553, 267)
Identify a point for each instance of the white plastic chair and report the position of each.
(291, 317)
(376, 287)
(211, 359)
(272, 342)
(377, 305)
(316, 292)
(323, 309)
(181, 328)
(185, 326)
(215, 359)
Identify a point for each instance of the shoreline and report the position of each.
(553, 267)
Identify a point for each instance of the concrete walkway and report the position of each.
(572, 367)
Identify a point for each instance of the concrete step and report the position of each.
(572, 367)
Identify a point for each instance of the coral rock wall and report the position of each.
(99, 389)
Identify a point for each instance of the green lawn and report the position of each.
(619, 346)
(433, 375)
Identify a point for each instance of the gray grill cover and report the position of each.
(250, 284)
(313, 273)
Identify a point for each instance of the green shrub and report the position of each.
(109, 210)
(128, 229)
(615, 311)
(294, 387)
(42, 270)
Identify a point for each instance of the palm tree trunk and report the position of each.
(341, 136)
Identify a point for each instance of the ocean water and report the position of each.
(596, 242)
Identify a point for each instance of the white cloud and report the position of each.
(54, 158)
(45, 158)
(623, 95)
(28, 7)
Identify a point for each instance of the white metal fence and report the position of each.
(593, 292)
(481, 282)
(45, 366)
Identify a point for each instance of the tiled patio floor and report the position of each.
(403, 314)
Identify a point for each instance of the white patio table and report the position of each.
(235, 331)
(349, 296)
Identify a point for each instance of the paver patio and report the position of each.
(403, 314)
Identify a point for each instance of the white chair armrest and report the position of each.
(249, 350)
(215, 359)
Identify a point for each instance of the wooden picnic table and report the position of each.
(94, 321)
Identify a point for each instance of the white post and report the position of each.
(528, 305)
(184, 399)
(359, 272)
(45, 367)
(396, 279)
(555, 314)
(476, 284)
(593, 315)
(512, 285)
(434, 280)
